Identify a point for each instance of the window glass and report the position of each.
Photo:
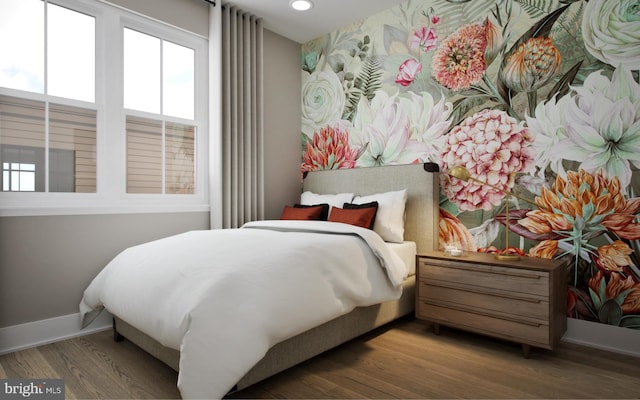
(141, 71)
(22, 45)
(148, 155)
(144, 155)
(180, 158)
(146, 58)
(72, 149)
(22, 142)
(70, 54)
(72, 146)
(178, 81)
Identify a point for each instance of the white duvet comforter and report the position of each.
(224, 297)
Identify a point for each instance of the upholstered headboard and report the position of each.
(420, 180)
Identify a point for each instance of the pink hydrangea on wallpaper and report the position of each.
(493, 147)
(542, 101)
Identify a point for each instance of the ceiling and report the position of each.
(302, 26)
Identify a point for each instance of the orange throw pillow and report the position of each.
(306, 213)
(362, 217)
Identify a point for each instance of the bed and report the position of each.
(420, 231)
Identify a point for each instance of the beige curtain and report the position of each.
(242, 118)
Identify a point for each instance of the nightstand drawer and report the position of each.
(531, 332)
(522, 300)
(485, 276)
(494, 301)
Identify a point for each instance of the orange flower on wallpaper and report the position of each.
(452, 231)
(544, 249)
(579, 209)
(625, 291)
(329, 149)
(613, 257)
(582, 207)
(531, 65)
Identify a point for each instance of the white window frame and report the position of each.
(111, 196)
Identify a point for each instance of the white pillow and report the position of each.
(334, 200)
(390, 216)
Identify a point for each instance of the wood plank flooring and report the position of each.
(402, 360)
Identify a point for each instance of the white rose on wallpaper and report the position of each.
(603, 126)
(611, 31)
(322, 101)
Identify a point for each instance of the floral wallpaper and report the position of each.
(537, 98)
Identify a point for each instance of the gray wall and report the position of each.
(282, 85)
(47, 261)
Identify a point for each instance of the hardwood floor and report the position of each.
(403, 360)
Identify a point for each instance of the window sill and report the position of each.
(27, 211)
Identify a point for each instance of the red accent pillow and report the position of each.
(373, 204)
(362, 217)
(305, 213)
(325, 209)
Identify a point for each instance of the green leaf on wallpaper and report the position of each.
(537, 8)
(610, 313)
(541, 28)
(463, 105)
(446, 204)
(561, 88)
(305, 140)
(630, 321)
(366, 83)
(595, 298)
(453, 15)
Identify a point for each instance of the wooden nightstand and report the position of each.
(522, 301)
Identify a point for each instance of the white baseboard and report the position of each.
(37, 333)
(32, 334)
(603, 336)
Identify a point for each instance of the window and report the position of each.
(40, 129)
(68, 48)
(18, 177)
(147, 152)
(100, 109)
(159, 79)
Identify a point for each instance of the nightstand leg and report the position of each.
(526, 350)
(436, 329)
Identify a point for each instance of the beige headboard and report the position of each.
(421, 224)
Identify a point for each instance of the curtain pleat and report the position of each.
(242, 116)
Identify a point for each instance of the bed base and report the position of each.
(298, 348)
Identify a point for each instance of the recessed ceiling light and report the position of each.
(301, 5)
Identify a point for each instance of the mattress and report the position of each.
(407, 251)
